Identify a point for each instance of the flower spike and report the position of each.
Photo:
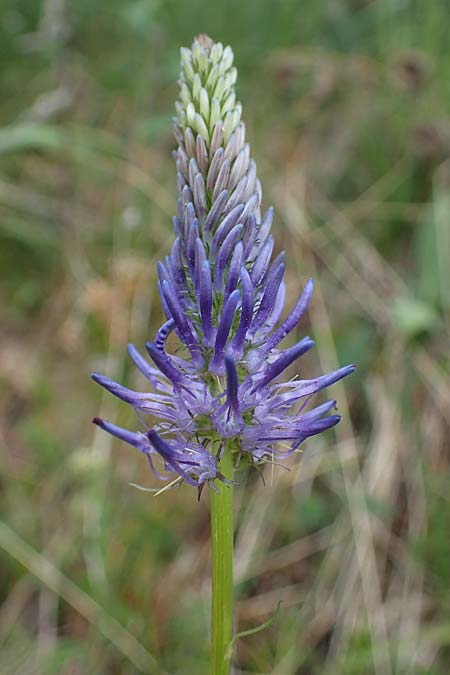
(223, 295)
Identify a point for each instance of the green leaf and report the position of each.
(18, 137)
(413, 317)
(252, 631)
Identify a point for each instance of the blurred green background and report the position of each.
(347, 110)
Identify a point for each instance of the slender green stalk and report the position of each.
(222, 570)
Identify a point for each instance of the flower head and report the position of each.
(223, 296)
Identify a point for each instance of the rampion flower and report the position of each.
(223, 296)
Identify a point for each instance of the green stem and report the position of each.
(222, 570)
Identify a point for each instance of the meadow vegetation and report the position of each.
(347, 111)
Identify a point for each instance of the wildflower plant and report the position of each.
(220, 399)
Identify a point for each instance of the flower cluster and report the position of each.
(223, 295)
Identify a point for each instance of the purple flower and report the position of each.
(223, 296)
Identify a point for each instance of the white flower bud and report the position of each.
(196, 87)
(204, 104)
(212, 78)
(215, 112)
(229, 103)
(201, 128)
(216, 52)
(220, 88)
(227, 58)
(185, 94)
(190, 114)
